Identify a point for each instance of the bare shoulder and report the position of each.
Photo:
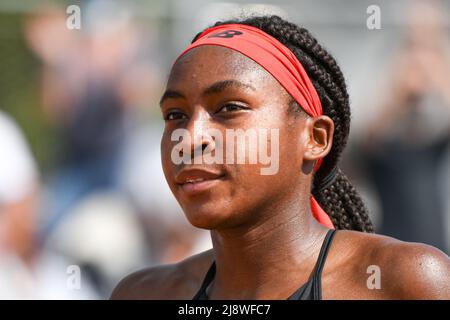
(406, 270)
(165, 282)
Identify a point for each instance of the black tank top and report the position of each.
(311, 290)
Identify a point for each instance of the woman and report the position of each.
(271, 236)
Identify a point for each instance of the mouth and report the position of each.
(195, 181)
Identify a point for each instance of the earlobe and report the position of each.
(320, 132)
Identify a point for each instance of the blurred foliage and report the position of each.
(19, 89)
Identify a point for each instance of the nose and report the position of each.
(199, 129)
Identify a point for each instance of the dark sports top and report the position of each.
(311, 290)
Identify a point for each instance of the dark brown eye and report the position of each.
(230, 107)
(174, 115)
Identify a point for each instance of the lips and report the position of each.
(194, 181)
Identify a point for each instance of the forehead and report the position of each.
(208, 64)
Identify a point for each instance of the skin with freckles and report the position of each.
(265, 239)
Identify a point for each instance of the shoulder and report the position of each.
(414, 270)
(406, 270)
(174, 281)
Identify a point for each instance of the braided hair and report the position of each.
(336, 196)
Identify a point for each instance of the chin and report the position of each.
(205, 216)
(209, 216)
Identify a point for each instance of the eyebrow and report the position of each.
(212, 89)
(171, 94)
(222, 85)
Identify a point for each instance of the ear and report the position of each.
(319, 139)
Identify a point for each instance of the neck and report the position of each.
(273, 255)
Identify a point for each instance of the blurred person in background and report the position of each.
(85, 94)
(406, 145)
(27, 271)
(80, 94)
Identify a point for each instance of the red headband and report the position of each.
(280, 62)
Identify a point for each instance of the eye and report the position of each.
(174, 115)
(230, 107)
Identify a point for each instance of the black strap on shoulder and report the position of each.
(201, 294)
(320, 263)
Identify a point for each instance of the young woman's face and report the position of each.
(214, 90)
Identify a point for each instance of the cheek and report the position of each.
(166, 161)
(292, 144)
